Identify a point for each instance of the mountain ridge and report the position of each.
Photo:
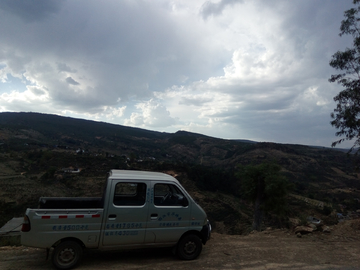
(34, 149)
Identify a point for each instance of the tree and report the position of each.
(265, 187)
(346, 118)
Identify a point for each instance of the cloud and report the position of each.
(123, 48)
(152, 114)
(194, 100)
(15, 63)
(36, 91)
(31, 10)
(62, 67)
(209, 8)
(23, 101)
(70, 80)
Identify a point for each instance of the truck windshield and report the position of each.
(169, 195)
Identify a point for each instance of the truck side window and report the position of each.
(129, 194)
(169, 195)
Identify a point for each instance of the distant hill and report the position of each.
(35, 148)
(35, 129)
(245, 141)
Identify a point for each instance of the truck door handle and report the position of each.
(112, 216)
(153, 216)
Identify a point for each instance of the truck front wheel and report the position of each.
(189, 247)
(67, 255)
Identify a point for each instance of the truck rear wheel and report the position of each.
(189, 247)
(67, 255)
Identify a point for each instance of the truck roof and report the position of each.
(140, 175)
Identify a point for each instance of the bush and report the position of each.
(48, 176)
(327, 210)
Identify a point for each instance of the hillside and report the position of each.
(36, 148)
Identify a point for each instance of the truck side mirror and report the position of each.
(183, 201)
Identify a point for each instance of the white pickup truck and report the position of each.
(138, 209)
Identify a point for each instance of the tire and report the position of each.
(67, 255)
(189, 247)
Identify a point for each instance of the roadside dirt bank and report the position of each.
(271, 249)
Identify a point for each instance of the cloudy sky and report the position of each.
(233, 69)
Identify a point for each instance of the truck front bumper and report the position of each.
(206, 232)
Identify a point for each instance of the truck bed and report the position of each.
(70, 203)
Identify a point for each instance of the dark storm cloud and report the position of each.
(31, 10)
(70, 80)
(127, 48)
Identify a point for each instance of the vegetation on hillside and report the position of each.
(47, 155)
(266, 188)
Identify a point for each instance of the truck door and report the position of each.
(169, 213)
(127, 214)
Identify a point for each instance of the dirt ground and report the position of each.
(271, 249)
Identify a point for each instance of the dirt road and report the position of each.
(271, 249)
